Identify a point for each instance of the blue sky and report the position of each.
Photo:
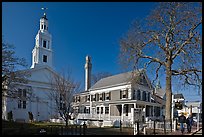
(78, 29)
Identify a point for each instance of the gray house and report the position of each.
(110, 99)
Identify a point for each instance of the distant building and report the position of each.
(110, 99)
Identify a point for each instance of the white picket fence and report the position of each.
(160, 125)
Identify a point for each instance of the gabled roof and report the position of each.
(159, 92)
(123, 78)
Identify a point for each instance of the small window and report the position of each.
(97, 110)
(44, 43)
(44, 58)
(101, 110)
(106, 110)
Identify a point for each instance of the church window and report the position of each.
(44, 43)
(44, 58)
(22, 98)
(41, 26)
(45, 27)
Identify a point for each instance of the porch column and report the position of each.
(122, 112)
(153, 111)
(134, 105)
(109, 111)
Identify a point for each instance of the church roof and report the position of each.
(118, 79)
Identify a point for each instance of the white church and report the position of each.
(39, 85)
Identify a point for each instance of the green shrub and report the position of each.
(10, 116)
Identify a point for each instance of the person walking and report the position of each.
(182, 121)
(189, 122)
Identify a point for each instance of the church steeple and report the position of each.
(42, 52)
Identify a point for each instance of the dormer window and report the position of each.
(124, 94)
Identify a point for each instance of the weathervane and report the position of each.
(44, 10)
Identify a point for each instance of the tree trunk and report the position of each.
(67, 122)
(168, 90)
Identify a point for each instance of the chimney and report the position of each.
(87, 67)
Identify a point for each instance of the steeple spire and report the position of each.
(44, 13)
(42, 52)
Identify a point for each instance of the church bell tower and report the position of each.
(42, 52)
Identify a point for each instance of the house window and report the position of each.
(107, 96)
(124, 93)
(87, 98)
(44, 58)
(44, 43)
(97, 110)
(148, 97)
(138, 95)
(100, 97)
(101, 110)
(93, 97)
(106, 110)
(144, 95)
(88, 110)
(134, 95)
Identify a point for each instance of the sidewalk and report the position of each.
(178, 132)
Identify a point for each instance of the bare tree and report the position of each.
(96, 77)
(63, 89)
(11, 75)
(169, 40)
